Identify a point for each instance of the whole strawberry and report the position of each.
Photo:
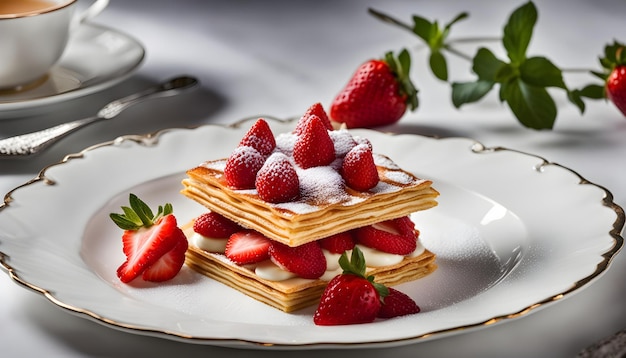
(351, 297)
(614, 75)
(379, 93)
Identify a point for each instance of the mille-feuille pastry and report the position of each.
(282, 209)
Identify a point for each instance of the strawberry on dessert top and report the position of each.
(310, 166)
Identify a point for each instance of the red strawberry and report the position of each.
(259, 137)
(397, 303)
(247, 247)
(306, 261)
(358, 168)
(338, 243)
(315, 110)
(377, 94)
(215, 225)
(350, 297)
(168, 266)
(277, 181)
(396, 236)
(614, 64)
(242, 167)
(314, 147)
(616, 88)
(147, 238)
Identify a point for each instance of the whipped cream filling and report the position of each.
(270, 271)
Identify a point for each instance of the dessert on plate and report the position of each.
(281, 209)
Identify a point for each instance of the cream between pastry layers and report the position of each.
(325, 207)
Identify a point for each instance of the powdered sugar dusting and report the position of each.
(321, 184)
(324, 185)
(399, 177)
(343, 141)
(385, 162)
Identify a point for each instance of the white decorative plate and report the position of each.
(513, 232)
(96, 57)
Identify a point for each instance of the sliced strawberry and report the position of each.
(314, 147)
(144, 247)
(247, 247)
(259, 137)
(242, 167)
(351, 297)
(391, 236)
(358, 168)
(338, 243)
(315, 110)
(277, 181)
(397, 303)
(215, 225)
(168, 266)
(306, 261)
(147, 238)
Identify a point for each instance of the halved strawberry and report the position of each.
(259, 137)
(214, 225)
(313, 147)
(242, 166)
(315, 110)
(396, 236)
(338, 243)
(358, 168)
(397, 303)
(147, 237)
(277, 181)
(168, 266)
(247, 247)
(306, 261)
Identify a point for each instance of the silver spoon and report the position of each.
(32, 143)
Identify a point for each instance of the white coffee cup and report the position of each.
(33, 40)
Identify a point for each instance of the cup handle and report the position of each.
(92, 11)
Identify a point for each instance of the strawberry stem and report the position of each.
(356, 265)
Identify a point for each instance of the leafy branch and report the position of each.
(523, 81)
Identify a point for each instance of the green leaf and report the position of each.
(355, 265)
(469, 92)
(141, 209)
(506, 73)
(518, 32)
(422, 28)
(439, 65)
(486, 65)
(575, 98)
(593, 92)
(458, 18)
(539, 71)
(533, 106)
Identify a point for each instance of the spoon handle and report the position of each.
(32, 143)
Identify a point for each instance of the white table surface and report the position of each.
(278, 57)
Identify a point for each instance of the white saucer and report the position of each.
(96, 57)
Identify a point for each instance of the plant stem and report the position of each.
(389, 19)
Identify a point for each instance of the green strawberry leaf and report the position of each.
(423, 28)
(532, 105)
(539, 71)
(593, 91)
(439, 65)
(468, 92)
(139, 214)
(518, 32)
(401, 66)
(486, 65)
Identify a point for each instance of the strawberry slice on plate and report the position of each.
(147, 238)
